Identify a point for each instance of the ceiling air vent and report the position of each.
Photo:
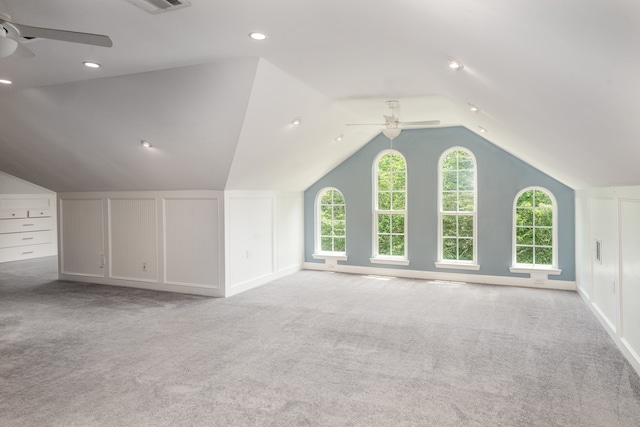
(157, 6)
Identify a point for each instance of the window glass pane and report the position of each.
(524, 216)
(450, 162)
(384, 201)
(465, 226)
(384, 164)
(450, 181)
(524, 235)
(325, 228)
(339, 244)
(543, 237)
(450, 202)
(465, 162)
(397, 245)
(339, 228)
(525, 199)
(384, 244)
(326, 213)
(398, 181)
(466, 202)
(449, 228)
(398, 163)
(543, 216)
(326, 198)
(338, 212)
(542, 198)
(338, 198)
(465, 180)
(449, 248)
(465, 249)
(543, 256)
(398, 200)
(397, 223)
(384, 181)
(524, 255)
(326, 244)
(384, 223)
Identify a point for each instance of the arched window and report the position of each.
(457, 210)
(390, 208)
(535, 235)
(331, 220)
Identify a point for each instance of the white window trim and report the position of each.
(447, 263)
(387, 259)
(536, 268)
(318, 241)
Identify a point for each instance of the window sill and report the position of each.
(528, 269)
(458, 265)
(390, 261)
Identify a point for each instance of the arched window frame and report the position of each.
(385, 258)
(332, 256)
(448, 263)
(532, 268)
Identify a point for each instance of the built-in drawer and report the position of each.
(21, 239)
(40, 213)
(26, 252)
(13, 213)
(28, 224)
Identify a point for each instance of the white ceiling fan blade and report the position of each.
(63, 35)
(366, 124)
(421, 123)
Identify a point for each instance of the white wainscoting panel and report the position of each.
(81, 237)
(192, 242)
(133, 239)
(630, 272)
(290, 228)
(584, 246)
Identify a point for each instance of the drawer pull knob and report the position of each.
(27, 253)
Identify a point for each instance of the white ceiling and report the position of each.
(557, 84)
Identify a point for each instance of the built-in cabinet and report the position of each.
(27, 227)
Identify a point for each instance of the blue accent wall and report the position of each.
(500, 177)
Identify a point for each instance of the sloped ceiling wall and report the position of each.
(85, 136)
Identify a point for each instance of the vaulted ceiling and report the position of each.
(556, 84)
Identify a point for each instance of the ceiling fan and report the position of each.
(12, 32)
(392, 124)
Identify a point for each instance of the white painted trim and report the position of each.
(330, 260)
(520, 268)
(389, 261)
(440, 275)
(258, 281)
(457, 265)
(621, 343)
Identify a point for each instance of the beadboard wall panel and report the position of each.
(191, 242)
(81, 237)
(133, 239)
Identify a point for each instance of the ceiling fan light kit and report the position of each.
(7, 45)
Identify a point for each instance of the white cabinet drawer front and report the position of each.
(13, 213)
(22, 239)
(26, 252)
(40, 213)
(28, 224)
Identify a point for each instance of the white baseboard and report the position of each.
(258, 281)
(439, 275)
(632, 357)
(154, 286)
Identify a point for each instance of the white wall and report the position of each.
(171, 241)
(611, 285)
(11, 185)
(264, 237)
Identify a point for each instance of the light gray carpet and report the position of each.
(310, 349)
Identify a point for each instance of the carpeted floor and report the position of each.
(311, 349)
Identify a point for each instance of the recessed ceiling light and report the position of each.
(91, 64)
(5, 81)
(297, 121)
(257, 36)
(482, 130)
(454, 64)
(339, 138)
(473, 108)
(145, 144)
